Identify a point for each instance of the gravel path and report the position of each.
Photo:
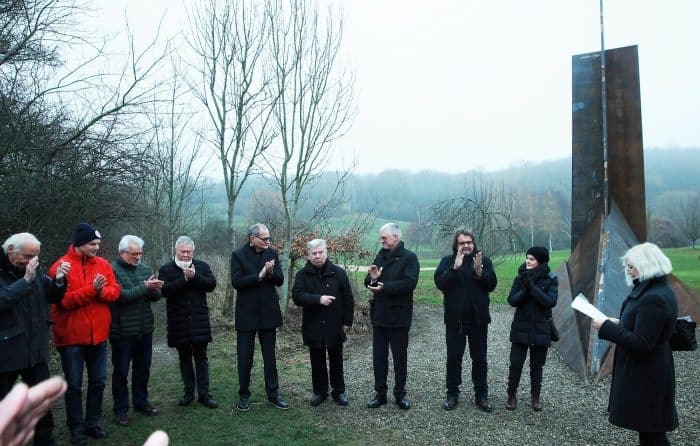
(574, 412)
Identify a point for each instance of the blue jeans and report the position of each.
(73, 359)
(138, 354)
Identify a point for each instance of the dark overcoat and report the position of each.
(323, 325)
(186, 303)
(462, 287)
(393, 306)
(643, 388)
(257, 301)
(531, 322)
(132, 316)
(24, 317)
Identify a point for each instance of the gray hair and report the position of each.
(391, 228)
(184, 240)
(18, 240)
(254, 230)
(129, 240)
(649, 261)
(316, 243)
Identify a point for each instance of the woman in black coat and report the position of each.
(533, 294)
(323, 290)
(643, 388)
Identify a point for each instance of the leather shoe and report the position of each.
(379, 400)
(317, 399)
(96, 432)
(341, 399)
(186, 399)
(121, 420)
(483, 404)
(278, 402)
(450, 402)
(243, 404)
(208, 401)
(78, 438)
(147, 410)
(403, 403)
(512, 402)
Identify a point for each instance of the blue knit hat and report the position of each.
(85, 233)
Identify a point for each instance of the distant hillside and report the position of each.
(395, 194)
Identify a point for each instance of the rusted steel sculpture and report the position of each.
(608, 214)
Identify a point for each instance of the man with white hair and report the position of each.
(391, 278)
(25, 293)
(187, 282)
(131, 333)
(323, 290)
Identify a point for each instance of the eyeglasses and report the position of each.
(264, 239)
(468, 242)
(134, 254)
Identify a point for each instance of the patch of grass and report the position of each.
(686, 265)
(198, 425)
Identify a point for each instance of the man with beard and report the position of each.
(81, 328)
(186, 283)
(24, 314)
(323, 290)
(391, 278)
(466, 278)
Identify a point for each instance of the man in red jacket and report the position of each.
(81, 329)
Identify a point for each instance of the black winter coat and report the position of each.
(323, 325)
(531, 322)
(132, 316)
(186, 303)
(393, 306)
(257, 302)
(462, 287)
(24, 317)
(643, 388)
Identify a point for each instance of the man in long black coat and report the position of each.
(187, 282)
(391, 278)
(255, 272)
(466, 278)
(323, 290)
(25, 294)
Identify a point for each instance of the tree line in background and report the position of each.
(257, 91)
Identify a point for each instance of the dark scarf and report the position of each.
(537, 273)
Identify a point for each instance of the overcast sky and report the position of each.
(453, 85)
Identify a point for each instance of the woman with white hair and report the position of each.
(643, 388)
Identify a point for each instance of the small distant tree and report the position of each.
(690, 217)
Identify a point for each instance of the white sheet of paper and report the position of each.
(581, 304)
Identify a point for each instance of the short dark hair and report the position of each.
(462, 231)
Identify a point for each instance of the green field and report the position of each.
(686, 266)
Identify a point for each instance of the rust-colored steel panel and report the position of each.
(624, 131)
(569, 345)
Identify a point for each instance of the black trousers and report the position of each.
(199, 373)
(456, 340)
(653, 439)
(245, 346)
(43, 434)
(397, 339)
(538, 356)
(320, 374)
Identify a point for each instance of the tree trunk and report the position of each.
(229, 300)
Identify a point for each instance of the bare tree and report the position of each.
(313, 108)
(690, 217)
(173, 185)
(487, 210)
(228, 39)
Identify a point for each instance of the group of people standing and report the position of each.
(94, 302)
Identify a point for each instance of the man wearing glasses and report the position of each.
(255, 272)
(466, 277)
(131, 332)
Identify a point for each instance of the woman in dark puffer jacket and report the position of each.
(533, 294)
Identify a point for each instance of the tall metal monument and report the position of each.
(608, 213)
